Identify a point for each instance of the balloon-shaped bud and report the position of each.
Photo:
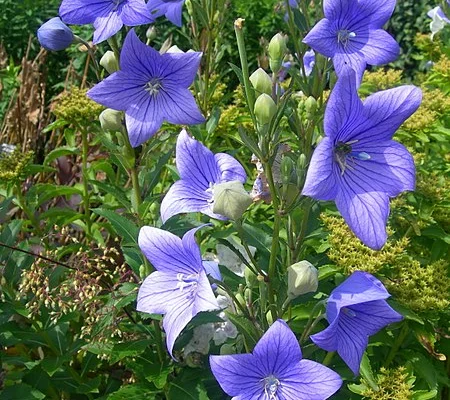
(265, 109)
(310, 107)
(303, 278)
(109, 62)
(261, 81)
(277, 50)
(111, 120)
(55, 35)
(231, 199)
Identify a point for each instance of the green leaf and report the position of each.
(20, 391)
(117, 192)
(425, 394)
(133, 392)
(367, 373)
(245, 327)
(122, 350)
(59, 152)
(125, 228)
(406, 312)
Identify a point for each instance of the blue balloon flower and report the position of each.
(172, 9)
(55, 35)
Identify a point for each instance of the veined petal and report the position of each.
(355, 60)
(204, 297)
(365, 212)
(238, 375)
(212, 269)
(185, 197)
(143, 119)
(174, 12)
(378, 12)
(159, 292)
(390, 168)
(135, 12)
(381, 48)
(230, 169)
(323, 38)
(321, 181)
(339, 10)
(181, 68)
(327, 339)
(81, 12)
(195, 162)
(385, 111)
(118, 91)
(351, 347)
(157, 7)
(179, 105)
(309, 380)
(166, 252)
(278, 350)
(106, 26)
(190, 245)
(344, 108)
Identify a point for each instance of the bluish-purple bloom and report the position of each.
(356, 309)
(357, 164)
(199, 171)
(108, 16)
(172, 9)
(275, 370)
(151, 88)
(55, 35)
(351, 34)
(309, 60)
(179, 288)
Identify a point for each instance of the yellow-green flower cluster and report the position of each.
(13, 164)
(393, 384)
(430, 48)
(382, 79)
(422, 288)
(75, 107)
(350, 254)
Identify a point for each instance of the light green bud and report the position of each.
(261, 81)
(241, 300)
(265, 109)
(111, 120)
(189, 7)
(226, 349)
(301, 162)
(230, 199)
(142, 272)
(277, 50)
(287, 167)
(250, 277)
(269, 317)
(310, 107)
(109, 62)
(303, 278)
(151, 33)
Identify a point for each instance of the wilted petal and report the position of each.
(365, 212)
(323, 38)
(321, 182)
(229, 168)
(166, 251)
(381, 48)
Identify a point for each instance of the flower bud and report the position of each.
(111, 120)
(227, 349)
(277, 50)
(151, 33)
(265, 109)
(250, 277)
(55, 35)
(269, 317)
(303, 278)
(310, 107)
(287, 167)
(261, 81)
(230, 199)
(109, 62)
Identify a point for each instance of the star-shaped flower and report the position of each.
(356, 309)
(108, 16)
(351, 33)
(275, 370)
(150, 88)
(357, 164)
(172, 9)
(179, 288)
(199, 171)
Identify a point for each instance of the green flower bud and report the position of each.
(287, 167)
(109, 62)
(301, 162)
(265, 109)
(241, 300)
(250, 277)
(277, 50)
(261, 81)
(269, 317)
(310, 107)
(226, 349)
(111, 120)
(189, 7)
(151, 33)
(303, 278)
(230, 199)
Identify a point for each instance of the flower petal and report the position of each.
(167, 253)
(106, 26)
(180, 69)
(204, 297)
(378, 12)
(174, 12)
(82, 12)
(351, 346)
(179, 105)
(135, 12)
(321, 182)
(230, 169)
(323, 38)
(339, 10)
(381, 48)
(327, 339)
(355, 60)
(309, 380)
(365, 212)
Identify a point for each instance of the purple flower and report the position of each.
(275, 370)
(199, 171)
(309, 60)
(357, 164)
(356, 309)
(179, 288)
(351, 33)
(55, 35)
(150, 88)
(108, 16)
(172, 9)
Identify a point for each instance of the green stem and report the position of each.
(256, 270)
(159, 341)
(312, 322)
(84, 171)
(398, 342)
(326, 361)
(92, 55)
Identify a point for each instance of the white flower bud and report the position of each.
(230, 199)
(303, 278)
(109, 62)
(261, 81)
(111, 120)
(265, 109)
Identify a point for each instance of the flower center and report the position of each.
(210, 191)
(188, 283)
(271, 384)
(153, 86)
(344, 36)
(343, 152)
